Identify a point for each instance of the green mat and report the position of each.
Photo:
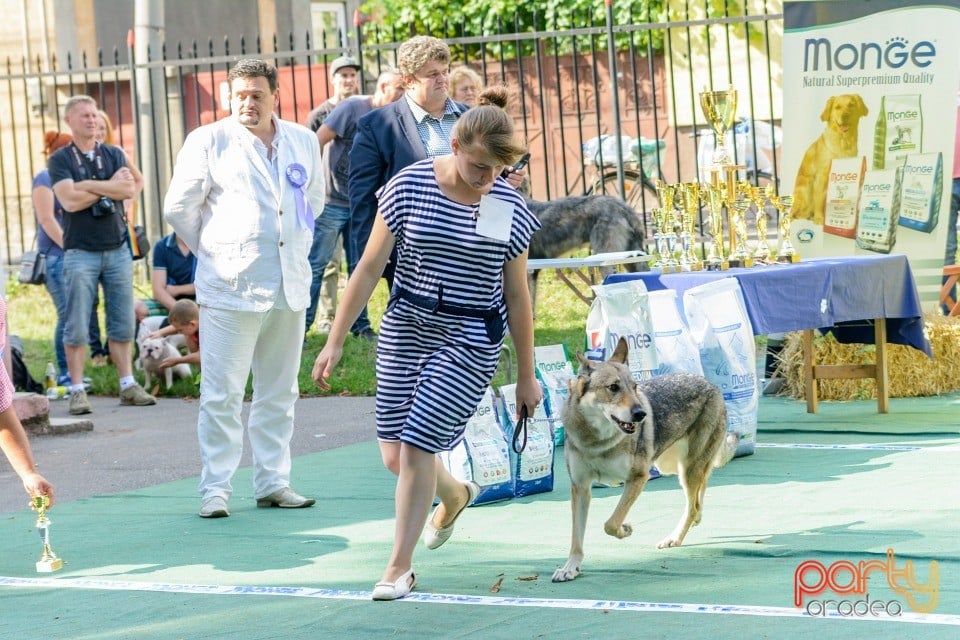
(143, 565)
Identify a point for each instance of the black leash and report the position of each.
(521, 427)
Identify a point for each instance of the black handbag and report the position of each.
(137, 240)
(33, 267)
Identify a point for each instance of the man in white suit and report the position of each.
(244, 196)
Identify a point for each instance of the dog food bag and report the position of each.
(843, 196)
(879, 210)
(554, 371)
(719, 324)
(676, 350)
(899, 130)
(483, 454)
(621, 309)
(532, 469)
(921, 188)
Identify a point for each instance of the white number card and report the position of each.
(494, 218)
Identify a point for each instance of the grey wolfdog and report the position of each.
(606, 223)
(617, 429)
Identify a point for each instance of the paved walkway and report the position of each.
(135, 447)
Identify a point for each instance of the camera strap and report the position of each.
(95, 169)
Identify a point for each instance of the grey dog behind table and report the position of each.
(605, 223)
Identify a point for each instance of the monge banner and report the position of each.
(870, 92)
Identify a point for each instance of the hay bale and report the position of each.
(909, 372)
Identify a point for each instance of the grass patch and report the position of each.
(561, 318)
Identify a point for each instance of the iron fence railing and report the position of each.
(570, 87)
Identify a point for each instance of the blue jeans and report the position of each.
(98, 347)
(334, 221)
(58, 294)
(950, 256)
(82, 271)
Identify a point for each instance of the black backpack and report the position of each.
(22, 380)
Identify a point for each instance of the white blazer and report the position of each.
(245, 233)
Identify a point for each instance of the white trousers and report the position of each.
(232, 345)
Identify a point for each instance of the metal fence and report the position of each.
(570, 87)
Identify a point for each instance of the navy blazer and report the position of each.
(386, 142)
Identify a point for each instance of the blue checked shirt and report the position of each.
(435, 133)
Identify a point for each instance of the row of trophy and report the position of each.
(675, 222)
(680, 205)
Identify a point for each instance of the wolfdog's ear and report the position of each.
(584, 362)
(620, 353)
(578, 385)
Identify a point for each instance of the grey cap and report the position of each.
(342, 62)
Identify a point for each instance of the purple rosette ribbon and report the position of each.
(297, 176)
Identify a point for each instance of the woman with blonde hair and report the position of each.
(464, 85)
(461, 233)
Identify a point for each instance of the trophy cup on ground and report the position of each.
(720, 108)
(786, 252)
(48, 562)
(716, 256)
(759, 196)
(739, 256)
(691, 204)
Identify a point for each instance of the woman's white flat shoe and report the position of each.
(434, 537)
(393, 590)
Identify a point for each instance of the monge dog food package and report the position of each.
(621, 309)
(718, 321)
(483, 454)
(921, 188)
(676, 350)
(554, 371)
(532, 469)
(879, 210)
(843, 194)
(899, 130)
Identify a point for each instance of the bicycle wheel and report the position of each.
(640, 195)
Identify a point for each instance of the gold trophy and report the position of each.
(785, 253)
(48, 562)
(688, 214)
(716, 257)
(663, 219)
(759, 196)
(738, 207)
(720, 109)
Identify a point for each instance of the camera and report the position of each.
(104, 207)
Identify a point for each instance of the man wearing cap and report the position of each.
(326, 275)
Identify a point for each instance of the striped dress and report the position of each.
(433, 366)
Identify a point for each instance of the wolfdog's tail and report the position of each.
(727, 449)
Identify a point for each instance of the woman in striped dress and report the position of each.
(461, 233)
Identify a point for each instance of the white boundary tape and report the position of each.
(869, 447)
(443, 598)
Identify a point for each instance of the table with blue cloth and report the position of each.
(857, 298)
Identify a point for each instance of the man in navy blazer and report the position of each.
(413, 128)
(397, 135)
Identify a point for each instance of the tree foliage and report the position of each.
(395, 20)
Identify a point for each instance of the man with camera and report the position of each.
(91, 181)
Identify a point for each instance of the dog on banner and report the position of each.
(605, 224)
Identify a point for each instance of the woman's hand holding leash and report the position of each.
(529, 394)
(323, 366)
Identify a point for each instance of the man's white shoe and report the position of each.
(214, 507)
(285, 498)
